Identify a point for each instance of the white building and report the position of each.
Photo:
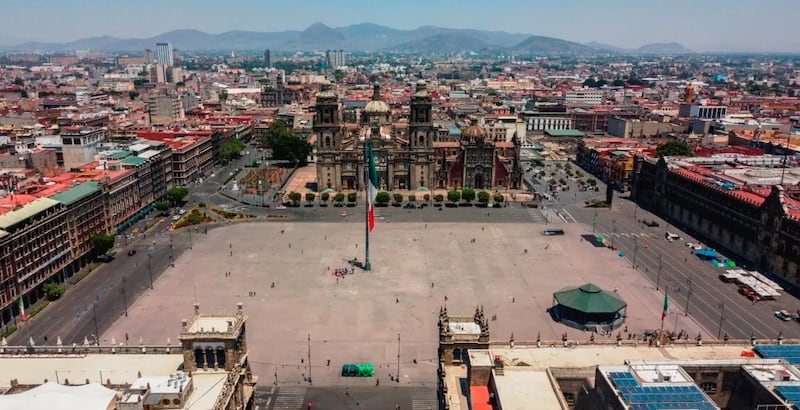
(164, 54)
(584, 97)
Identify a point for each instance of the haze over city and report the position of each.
(714, 25)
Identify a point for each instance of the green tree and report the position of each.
(591, 181)
(162, 206)
(498, 197)
(351, 197)
(618, 83)
(132, 95)
(231, 150)
(426, 197)
(454, 196)
(285, 145)
(295, 197)
(339, 197)
(468, 194)
(568, 167)
(438, 198)
(397, 197)
(590, 83)
(673, 148)
(176, 195)
(53, 290)
(412, 198)
(223, 96)
(338, 75)
(383, 197)
(325, 197)
(310, 197)
(101, 243)
(18, 81)
(483, 197)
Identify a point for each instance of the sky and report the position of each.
(701, 25)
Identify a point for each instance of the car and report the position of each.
(754, 297)
(671, 237)
(745, 291)
(181, 211)
(783, 315)
(281, 207)
(176, 217)
(650, 223)
(409, 205)
(132, 252)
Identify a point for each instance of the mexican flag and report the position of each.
(372, 188)
(666, 307)
(22, 309)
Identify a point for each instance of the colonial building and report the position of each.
(408, 154)
(403, 160)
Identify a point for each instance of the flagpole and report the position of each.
(367, 143)
(663, 315)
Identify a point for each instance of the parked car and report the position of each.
(754, 297)
(651, 223)
(132, 252)
(745, 291)
(671, 237)
(176, 217)
(280, 207)
(783, 315)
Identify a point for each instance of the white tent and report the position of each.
(54, 396)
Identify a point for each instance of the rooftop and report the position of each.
(77, 193)
(32, 209)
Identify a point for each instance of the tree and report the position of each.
(101, 243)
(383, 197)
(351, 197)
(454, 196)
(483, 197)
(498, 197)
(53, 290)
(18, 81)
(162, 206)
(618, 83)
(285, 145)
(397, 197)
(339, 197)
(590, 83)
(295, 197)
(223, 96)
(176, 195)
(567, 167)
(324, 197)
(591, 181)
(132, 95)
(673, 148)
(426, 197)
(231, 150)
(438, 198)
(412, 198)
(338, 75)
(310, 197)
(468, 194)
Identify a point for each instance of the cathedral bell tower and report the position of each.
(420, 124)
(326, 120)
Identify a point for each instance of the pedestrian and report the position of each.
(396, 300)
(309, 405)
(347, 391)
(513, 300)
(290, 244)
(231, 253)
(525, 251)
(329, 362)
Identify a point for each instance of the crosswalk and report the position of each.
(290, 398)
(536, 215)
(628, 235)
(424, 404)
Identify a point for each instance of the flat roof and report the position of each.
(14, 217)
(206, 387)
(518, 387)
(77, 192)
(134, 160)
(118, 368)
(563, 133)
(212, 324)
(148, 154)
(120, 154)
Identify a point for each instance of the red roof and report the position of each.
(479, 398)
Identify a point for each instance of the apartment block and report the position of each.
(79, 145)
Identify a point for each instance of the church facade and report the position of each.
(408, 159)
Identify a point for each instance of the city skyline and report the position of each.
(713, 25)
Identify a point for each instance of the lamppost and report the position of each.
(171, 256)
(309, 358)
(594, 222)
(124, 296)
(613, 231)
(721, 319)
(658, 274)
(150, 267)
(688, 297)
(635, 248)
(398, 358)
(96, 331)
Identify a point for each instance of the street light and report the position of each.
(658, 274)
(721, 318)
(96, 331)
(613, 231)
(594, 222)
(398, 358)
(124, 296)
(635, 248)
(150, 268)
(688, 297)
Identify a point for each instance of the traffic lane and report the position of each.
(703, 284)
(765, 308)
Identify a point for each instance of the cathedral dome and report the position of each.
(377, 107)
(474, 132)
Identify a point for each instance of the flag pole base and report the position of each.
(367, 266)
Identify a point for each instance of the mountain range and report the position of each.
(358, 37)
(654, 48)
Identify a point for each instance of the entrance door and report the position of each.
(478, 181)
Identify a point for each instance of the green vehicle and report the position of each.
(358, 370)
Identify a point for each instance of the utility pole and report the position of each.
(594, 222)
(124, 296)
(398, 357)
(635, 248)
(171, 256)
(190, 237)
(309, 358)
(613, 231)
(721, 318)
(96, 331)
(688, 297)
(658, 274)
(150, 268)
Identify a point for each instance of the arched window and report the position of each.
(421, 140)
(327, 141)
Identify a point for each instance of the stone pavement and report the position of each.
(358, 318)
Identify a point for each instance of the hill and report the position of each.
(549, 45)
(663, 48)
(441, 43)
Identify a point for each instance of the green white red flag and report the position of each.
(665, 311)
(22, 309)
(372, 188)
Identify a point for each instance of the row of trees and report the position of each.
(296, 197)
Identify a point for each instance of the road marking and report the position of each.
(290, 397)
(424, 404)
(569, 215)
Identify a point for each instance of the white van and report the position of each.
(671, 237)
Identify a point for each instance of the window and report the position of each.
(176, 402)
(709, 387)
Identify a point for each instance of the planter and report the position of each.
(396, 204)
(438, 205)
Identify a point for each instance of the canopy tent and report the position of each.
(328, 191)
(706, 253)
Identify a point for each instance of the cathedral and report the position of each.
(409, 158)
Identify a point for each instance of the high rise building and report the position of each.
(267, 59)
(164, 54)
(148, 56)
(335, 58)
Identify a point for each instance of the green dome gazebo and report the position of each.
(588, 307)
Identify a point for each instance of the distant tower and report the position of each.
(164, 54)
(267, 59)
(148, 56)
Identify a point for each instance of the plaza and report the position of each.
(417, 269)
